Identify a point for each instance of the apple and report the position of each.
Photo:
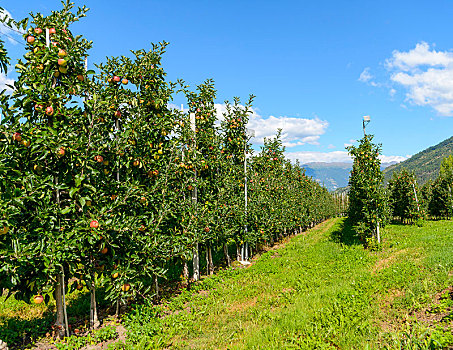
(206, 229)
(118, 114)
(136, 163)
(142, 227)
(98, 159)
(17, 137)
(104, 250)
(105, 162)
(115, 275)
(116, 78)
(54, 44)
(79, 286)
(125, 287)
(61, 53)
(30, 39)
(52, 31)
(4, 230)
(63, 69)
(62, 62)
(56, 74)
(49, 110)
(124, 81)
(25, 143)
(80, 77)
(61, 152)
(143, 200)
(38, 30)
(38, 299)
(94, 224)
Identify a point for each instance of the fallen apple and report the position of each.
(38, 299)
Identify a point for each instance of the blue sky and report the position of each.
(315, 67)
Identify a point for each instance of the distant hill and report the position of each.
(332, 175)
(424, 164)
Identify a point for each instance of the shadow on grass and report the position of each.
(19, 333)
(345, 234)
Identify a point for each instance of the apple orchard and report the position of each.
(101, 180)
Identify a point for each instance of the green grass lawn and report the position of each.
(321, 290)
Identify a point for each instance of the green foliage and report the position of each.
(95, 337)
(368, 204)
(404, 194)
(437, 194)
(98, 174)
(425, 164)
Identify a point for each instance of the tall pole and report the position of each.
(196, 257)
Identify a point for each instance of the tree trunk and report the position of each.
(59, 322)
(227, 255)
(156, 287)
(196, 263)
(238, 252)
(94, 321)
(210, 265)
(185, 273)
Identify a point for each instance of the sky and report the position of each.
(315, 67)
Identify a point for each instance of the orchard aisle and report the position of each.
(320, 290)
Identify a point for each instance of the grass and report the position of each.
(321, 290)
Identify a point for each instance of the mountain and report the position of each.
(424, 164)
(331, 175)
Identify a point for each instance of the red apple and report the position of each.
(38, 30)
(118, 114)
(94, 224)
(98, 159)
(61, 152)
(52, 31)
(116, 78)
(30, 39)
(206, 229)
(38, 299)
(49, 110)
(61, 53)
(61, 62)
(80, 77)
(17, 137)
(105, 250)
(125, 287)
(124, 81)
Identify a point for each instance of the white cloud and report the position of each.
(295, 131)
(350, 143)
(367, 77)
(331, 146)
(334, 156)
(389, 159)
(5, 80)
(427, 76)
(327, 157)
(420, 56)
